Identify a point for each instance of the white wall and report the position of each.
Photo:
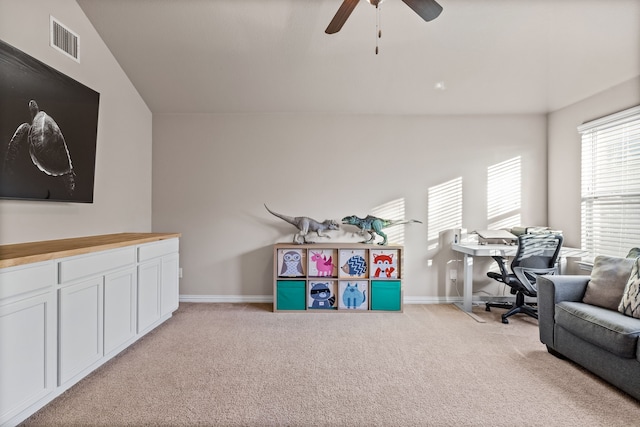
(212, 174)
(565, 151)
(122, 192)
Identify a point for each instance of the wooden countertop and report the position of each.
(25, 253)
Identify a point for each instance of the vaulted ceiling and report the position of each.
(254, 56)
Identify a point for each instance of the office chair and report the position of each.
(536, 255)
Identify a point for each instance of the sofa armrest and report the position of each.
(552, 290)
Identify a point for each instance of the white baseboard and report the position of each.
(430, 300)
(269, 299)
(228, 298)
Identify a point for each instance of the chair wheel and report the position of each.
(505, 320)
(487, 308)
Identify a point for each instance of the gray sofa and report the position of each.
(603, 340)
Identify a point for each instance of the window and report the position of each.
(611, 183)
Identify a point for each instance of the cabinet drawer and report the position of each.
(157, 249)
(94, 264)
(291, 295)
(23, 279)
(386, 295)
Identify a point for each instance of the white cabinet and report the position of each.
(83, 302)
(27, 337)
(80, 339)
(149, 276)
(96, 318)
(62, 318)
(169, 291)
(158, 272)
(120, 302)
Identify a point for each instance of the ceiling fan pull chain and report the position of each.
(378, 25)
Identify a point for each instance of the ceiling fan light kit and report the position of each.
(426, 9)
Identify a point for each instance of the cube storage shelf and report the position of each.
(348, 277)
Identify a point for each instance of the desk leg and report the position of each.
(467, 292)
(562, 262)
(467, 289)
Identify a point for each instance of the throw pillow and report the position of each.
(634, 253)
(609, 277)
(630, 304)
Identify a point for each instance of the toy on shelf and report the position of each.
(291, 262)
(373, 225)
(322, 294)
(306, 225)
(352, 296)
(321, 263)
(353, 263)
(384, 263)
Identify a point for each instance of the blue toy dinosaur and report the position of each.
(373, 225)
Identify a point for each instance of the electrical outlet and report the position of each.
(180, 272)
(453, 274)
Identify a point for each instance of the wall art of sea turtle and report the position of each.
(47, 147)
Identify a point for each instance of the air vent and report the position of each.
(64, 40)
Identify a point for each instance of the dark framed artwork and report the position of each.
(48, 131)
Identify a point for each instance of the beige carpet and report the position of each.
(241, 364)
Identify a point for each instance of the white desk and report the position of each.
(471, 250)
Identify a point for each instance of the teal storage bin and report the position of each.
(291, 295)
(386, 295)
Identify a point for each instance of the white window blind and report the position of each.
(611, 183)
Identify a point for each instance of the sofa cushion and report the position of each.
(605, 328)
(630, 304)
(634, 253)
(608, 279)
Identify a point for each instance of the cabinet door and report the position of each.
(169, 292)
(386, 295)
(290, 295)
(149, 276)
(81, 327)
(27, 353)
(119, 309)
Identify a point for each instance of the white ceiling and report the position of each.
(494, 56)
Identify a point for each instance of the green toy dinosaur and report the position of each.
(373, 225)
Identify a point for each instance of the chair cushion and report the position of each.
(605, 328)
(630, 304)
(608, 279)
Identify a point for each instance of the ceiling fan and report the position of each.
(427, 9)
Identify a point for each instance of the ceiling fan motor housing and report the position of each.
(427, 9)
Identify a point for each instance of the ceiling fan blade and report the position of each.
(427, 9)
(341, 16)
